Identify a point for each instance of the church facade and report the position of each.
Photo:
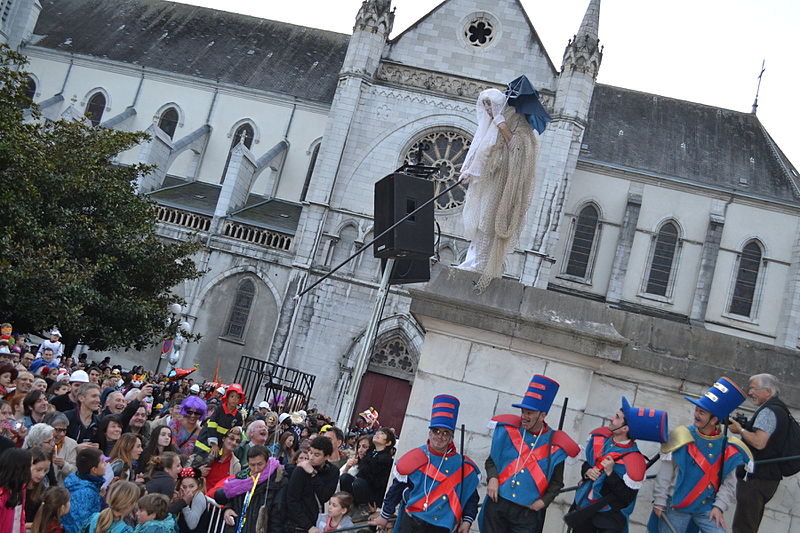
(268, 138)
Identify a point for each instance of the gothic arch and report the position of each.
(160, 111)
(400, 326)
(409, 130)
(241, 122)
(195, 304)
(94, 91)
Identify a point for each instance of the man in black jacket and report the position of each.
(312, 484)
(260, 509)
(765, 434)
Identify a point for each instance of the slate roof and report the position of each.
(195, 41)
(201, 198)
(718, 143)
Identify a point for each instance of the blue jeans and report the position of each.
(680, 521)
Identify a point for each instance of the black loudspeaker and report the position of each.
(409, 271)
(396, 195)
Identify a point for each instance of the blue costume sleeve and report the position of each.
(393, 497)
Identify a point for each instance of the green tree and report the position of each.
(78, 245)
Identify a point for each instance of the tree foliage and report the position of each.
(78, 245)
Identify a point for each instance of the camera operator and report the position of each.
(764, 434)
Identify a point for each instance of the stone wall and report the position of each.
(484, 349)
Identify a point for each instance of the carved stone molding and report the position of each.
(447, 84)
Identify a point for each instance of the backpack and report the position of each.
(791, 448)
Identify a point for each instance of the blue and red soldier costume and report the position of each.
(528, 465)
(698, 470)
(436, 491)
(609, 500)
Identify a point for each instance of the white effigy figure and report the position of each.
(499, 167)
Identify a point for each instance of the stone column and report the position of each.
(708, 264)
(626, 234)
(789, 322)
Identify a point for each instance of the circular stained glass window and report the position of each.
(445, 150)
(479, 32)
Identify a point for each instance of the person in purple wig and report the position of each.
(186, 430)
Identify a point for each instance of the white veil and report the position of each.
(486, 134)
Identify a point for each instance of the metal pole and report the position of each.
(366, 347)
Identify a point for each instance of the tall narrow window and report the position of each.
(244, 134)
(663, 258)
(309, 172)
(240, 311)
(582, 242)
(30, 88)
(96, 107)
(746, 278)
(169, 121)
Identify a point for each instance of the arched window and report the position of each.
(240, 310)
(96, 107)
(744, 291)
(169, 121)
(580, 252)
(309, 172)
(30, 88)
(658, 280)
(244, 134)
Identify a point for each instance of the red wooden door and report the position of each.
(388, 395)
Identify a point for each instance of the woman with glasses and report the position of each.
(42, 436)
(65, 449)
(226, 464)
(186, 430)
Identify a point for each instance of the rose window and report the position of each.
(479, 32)
(445, 150)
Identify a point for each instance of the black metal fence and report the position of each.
(287, 389)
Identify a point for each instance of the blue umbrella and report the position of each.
(525, 99)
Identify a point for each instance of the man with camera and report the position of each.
(765, 434)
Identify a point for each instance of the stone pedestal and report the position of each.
(483, 348)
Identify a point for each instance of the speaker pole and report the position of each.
(370, 243)
(349, 401)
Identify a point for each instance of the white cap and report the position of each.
(263, 405)
(283, 417)
(195, 389)
(221, 390)
(79, 376)
(55, 331)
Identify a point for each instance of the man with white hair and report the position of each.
(765, 434)
(115, 403)
(256, 436)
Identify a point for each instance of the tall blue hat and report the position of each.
(645, 424)
(540, 395)
(721, 399)
(445, 412)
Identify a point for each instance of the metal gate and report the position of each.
(261, 380)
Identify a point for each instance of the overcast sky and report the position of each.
(707, 51)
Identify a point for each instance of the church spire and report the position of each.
(375, 17)
(583, 53)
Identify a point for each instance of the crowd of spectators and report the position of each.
(90, 447)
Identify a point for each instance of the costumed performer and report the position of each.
(525, 466)
(697, 479)
(614, 469)
(436, 485)
(499, 167)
